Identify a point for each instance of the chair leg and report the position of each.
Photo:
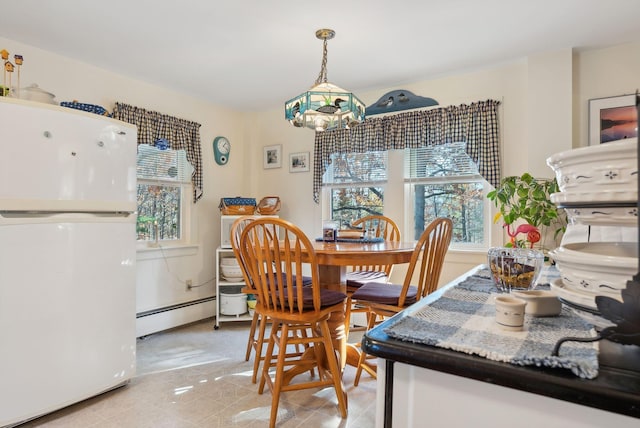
(258, 345)
(336, 373)
(304, 333)
(280, 365)
(268, 357)
(252, 336)
(371, 322)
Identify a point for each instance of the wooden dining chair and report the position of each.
(258, 326)
(276, 252)
(378, 226)
(385, 299)
(253, 342)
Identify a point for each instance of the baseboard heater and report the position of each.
(171, 316)
(174, 307)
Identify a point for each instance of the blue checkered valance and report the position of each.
(476, 124)
(180, 134)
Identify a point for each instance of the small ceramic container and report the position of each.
(540, 303)
(510, 312)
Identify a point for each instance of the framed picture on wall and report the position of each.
(272, 157)
(612, 119)
(299, 162)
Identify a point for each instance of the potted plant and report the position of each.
(526, 199)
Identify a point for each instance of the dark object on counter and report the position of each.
(91, 108)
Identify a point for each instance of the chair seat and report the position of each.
(306, 280)
(327, 297)
(358, 278)
(384, 293)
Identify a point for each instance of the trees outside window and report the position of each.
(357, 184)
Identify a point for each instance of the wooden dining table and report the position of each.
(335, 257)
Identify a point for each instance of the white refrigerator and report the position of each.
(67, 257)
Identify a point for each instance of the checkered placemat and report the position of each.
(463, 320)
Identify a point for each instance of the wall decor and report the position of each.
(612, 119)
(272, 156)
(399, 100)
(299, 162)
(221, 150)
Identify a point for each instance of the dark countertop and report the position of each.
(615, 389)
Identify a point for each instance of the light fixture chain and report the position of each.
(322, 77)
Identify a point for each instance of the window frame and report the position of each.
(486, 207)
(186, 190)
(400, 204)
(329, 183)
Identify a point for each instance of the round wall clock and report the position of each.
(221, 150)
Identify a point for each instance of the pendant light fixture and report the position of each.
(325, 106)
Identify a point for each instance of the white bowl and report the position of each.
(603, 216)
(574, 295)
(540, 303)
(602, 268)
(601, 168)
(229, 261)
(611, 197)
(230, 269)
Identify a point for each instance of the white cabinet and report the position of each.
(226, 293)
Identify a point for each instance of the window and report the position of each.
(164, 187)
(354, 184)
(444, 182)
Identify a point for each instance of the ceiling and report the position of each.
(256, 54)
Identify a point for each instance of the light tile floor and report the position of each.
(195, 376)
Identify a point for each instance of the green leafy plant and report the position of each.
(527, 198)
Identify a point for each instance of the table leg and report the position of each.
(335, 278)
(331, 278)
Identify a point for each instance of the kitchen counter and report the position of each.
(408, 370)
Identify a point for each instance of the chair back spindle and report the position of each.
(277, 253)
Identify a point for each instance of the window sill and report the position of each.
(475, 255)
(166, 250)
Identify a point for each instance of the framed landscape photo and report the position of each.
(272, 156)
(612, 119)
(299, 162)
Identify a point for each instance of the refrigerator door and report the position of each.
(67, 310)
(60, 159)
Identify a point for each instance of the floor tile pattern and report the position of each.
(195, 376)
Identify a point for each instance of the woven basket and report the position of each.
(269, 205)
(237, 206)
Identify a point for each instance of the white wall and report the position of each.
(602, 73)
(544, 110)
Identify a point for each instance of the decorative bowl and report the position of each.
(514, 268)
(602, 168)
(230, 269)
(540, 303)
(567, 293)
(606, 215)
(601, 268)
